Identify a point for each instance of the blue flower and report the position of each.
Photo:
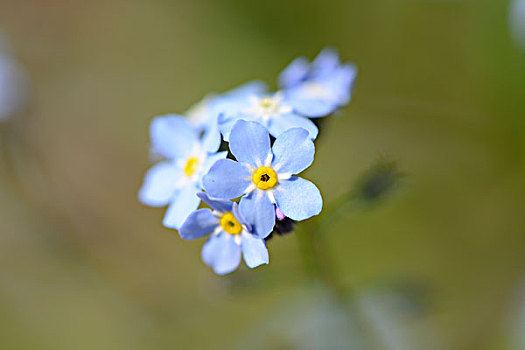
(273, 111)
(202, 115)
(318, 89)
(230, 236)
(176, 180)
(265, 176)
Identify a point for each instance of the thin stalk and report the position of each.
(320, 266)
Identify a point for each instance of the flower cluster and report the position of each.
(253, 186)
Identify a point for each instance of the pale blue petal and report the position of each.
(313, 107)
(238, 215)
(293, 151)
(254, 250)
(325, 63)
(250, 142)
(230, 105)
(183, 203)
(344, 83)
(227, 179)
(298, 199)
(259, 212)
(211, 140)
(294, 73)
(221, 253)
(221, 205)
(159, 184)
(210, 249)
(210, 161)
(226, 123)
(287, 121)
(172, 136)
(199, 224)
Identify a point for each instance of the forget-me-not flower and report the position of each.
(202, 114)
(274, 111)
(176, 180)
(230, 236)
(321, 87)
(264, 175)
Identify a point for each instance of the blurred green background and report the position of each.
(440, 90)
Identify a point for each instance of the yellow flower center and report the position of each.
(230, 224)
(268, 104)
(191, 166)
(264, 178)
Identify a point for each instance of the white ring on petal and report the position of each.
(283, 176)
(271, 196)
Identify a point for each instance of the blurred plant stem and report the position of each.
(371, 187)
(320, 267)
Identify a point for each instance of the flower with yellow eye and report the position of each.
(176, 180)
(230, 236)
(264, 175)
(273, 111)
(202, 116)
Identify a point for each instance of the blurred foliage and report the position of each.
(440, 90)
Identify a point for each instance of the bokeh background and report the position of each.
(438, 264)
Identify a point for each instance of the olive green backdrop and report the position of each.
(440, 91)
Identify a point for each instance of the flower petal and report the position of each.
(211, 140)
(294, 73)
(298, 198)
(228, 109)
(172, 136)
(238, 215)
(293, 151)
(259, 212)
(159, 184)
(250, 142)
(344, 82)
(254, 250)
(226, 123)
(222, 253)
(199, 224)
(184, 202)
(326, 62)
(226, 179)
(220, 205)
(287, 121)
(312, 107)
(209, 162)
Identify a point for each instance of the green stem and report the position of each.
(320, 266)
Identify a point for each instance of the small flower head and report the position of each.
(264, 175)
(321, 87)
(230, 236)
(273, 111)
(266, 108)
(176, 180)
(203, 116)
